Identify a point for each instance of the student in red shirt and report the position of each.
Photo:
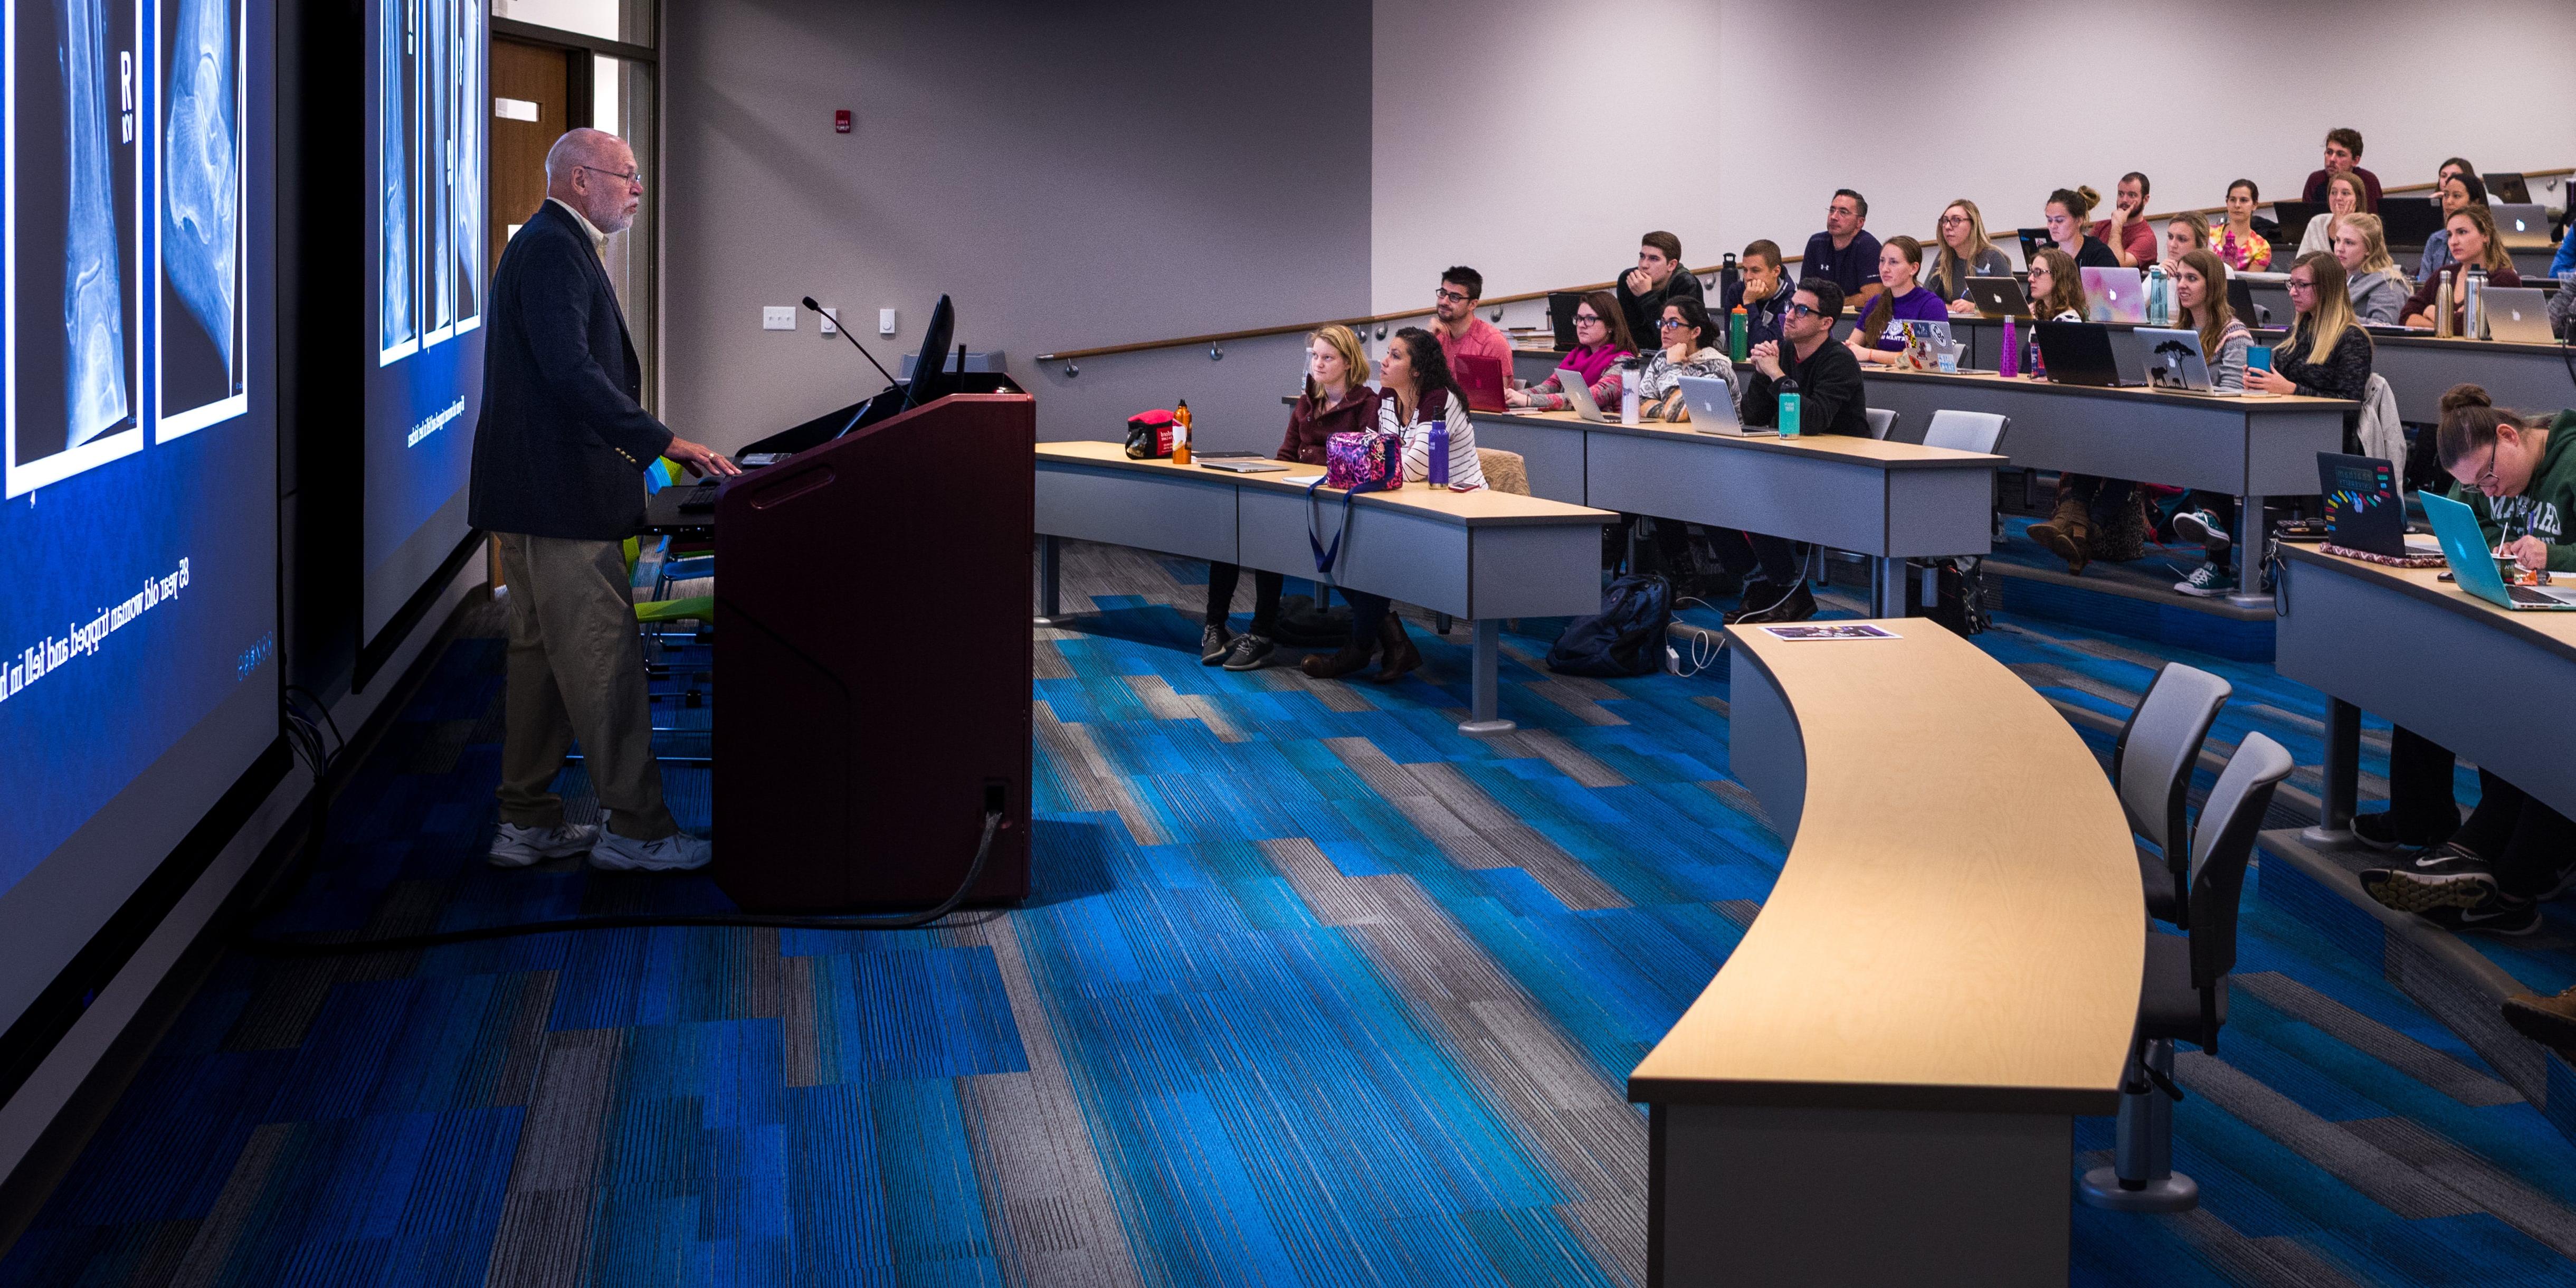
(2131, 238)
(1463, 334)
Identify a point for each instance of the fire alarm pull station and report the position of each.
(841, 121)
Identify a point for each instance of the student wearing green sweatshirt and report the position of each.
(2492, 872)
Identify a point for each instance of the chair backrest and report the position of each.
(2220, 847)
(1966, 431)
(2151, 763)
(1880, 422)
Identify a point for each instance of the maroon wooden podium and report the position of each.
(872, 653)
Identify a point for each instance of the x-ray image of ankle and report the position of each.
(201, 231)
(93, 277)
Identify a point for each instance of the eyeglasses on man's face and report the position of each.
(1802, 311)
(634, 176)
(1450, 296)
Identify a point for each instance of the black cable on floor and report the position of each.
(405, 943)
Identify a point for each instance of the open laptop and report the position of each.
(2519, 314)
(2033, 241)
(2080, 353)
(1578, 396)
(1481, 378)
(2506, 185)
(1560, 316)
(2173, 359)
(2409, 221)
(2114, 294)
(2473, 564)
(1999, 297)
(1712, 407)
(2294, 216)
(2240, 301)
(2523, 226)
(2363, 511)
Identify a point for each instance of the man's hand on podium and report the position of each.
(699, 459)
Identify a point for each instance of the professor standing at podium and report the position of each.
(559, 462)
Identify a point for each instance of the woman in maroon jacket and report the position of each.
(1337, 401)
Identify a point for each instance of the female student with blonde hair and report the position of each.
(2378, 287)
(1961, 252)
(2344, 199)
(2183, 234)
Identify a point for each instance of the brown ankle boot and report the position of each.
(2068, 534)
(1397, 648)
(1333, 666)
(2550, 1021)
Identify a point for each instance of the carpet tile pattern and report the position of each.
(1313, 990)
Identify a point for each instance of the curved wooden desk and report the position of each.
(1877, 1086)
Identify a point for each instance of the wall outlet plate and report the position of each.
(830, 319)
(775, 317)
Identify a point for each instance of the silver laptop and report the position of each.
(1578, 395)
(2519, 314)
(2173, 359)
(1712, 407)
(2523, 227)
(1999, 297)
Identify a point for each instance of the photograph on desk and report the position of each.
(75, 166)
(203, 352)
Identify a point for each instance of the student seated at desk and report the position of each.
(2184, 234)
(2472, 241)
(2458, 189)
(2065, 212)
(2490, 873)
(1845, 253)
(1657, 278)
(2126, 231)
(1337, 401)
(2237, 244)
(1761, 289)
(1831, 400)
(2343, 198)
(1965, 251)
(1600, 341)
(1880, 336)
(1463, 334)
(2056, 290)
(2343, 156)
(1691, 347)
(2377, 286)
(2564, 263)
(1415, 393)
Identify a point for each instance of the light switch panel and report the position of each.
(775, 317)
(885, 321)
(831, 319)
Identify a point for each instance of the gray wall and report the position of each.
(1073, 175)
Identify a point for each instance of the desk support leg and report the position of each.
(2249, 554)
(2342, 775)
(1887, 588)
(1050, 580)
(1483, 700)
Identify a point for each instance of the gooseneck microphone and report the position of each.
(854, 341)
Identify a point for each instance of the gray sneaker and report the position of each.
(518, 847)
(678, 852)
(1250, 653)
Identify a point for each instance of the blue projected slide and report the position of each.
(141, 490)
(426, 126)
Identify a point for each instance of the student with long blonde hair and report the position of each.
(2473, 244)
(2378, 287)
(1961, 251)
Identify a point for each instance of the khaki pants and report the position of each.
(576, 670)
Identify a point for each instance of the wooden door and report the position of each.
(527, 80)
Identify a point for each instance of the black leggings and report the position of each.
(2528, 842)
(1743, 552)
(2102, 497)
(1265, 596)
(1368, 614)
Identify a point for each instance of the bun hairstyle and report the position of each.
(2079, 202)
(2470, 419)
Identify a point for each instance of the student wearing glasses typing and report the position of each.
(1600, 341)
(2491, 873)
(1831, 401)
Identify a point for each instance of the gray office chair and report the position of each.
(1966, 431)
(2184, 996)
(1881, 422)
(2151, 767)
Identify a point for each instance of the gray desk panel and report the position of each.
(2475, 686)
(1553, 455)
(1775, 493)
(1128, 508)
(1412, 557)
(1532, 571)
(1765, 751)
(1938, 512)
(2420, 371)
(2237, 448)
(1534, 367)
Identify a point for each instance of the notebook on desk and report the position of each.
(2173, 359)
(1712, 407)
(1578, 396)
(2473, 565)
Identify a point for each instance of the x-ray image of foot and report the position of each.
(93, 277)
(394, 189)
(202, 222)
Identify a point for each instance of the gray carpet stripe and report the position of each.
(800, 1040)
(1570, 760)
(203, 1266)
(163, 1253)
(1159, 700)
(2270, 1262)
(544, 1235)
(1740, 911)
(1335, 695)
(2459, 1001)
(282, 1009)
(1614, 1232)
(2384, 1179)
(1334, 899)
(2545, 1219)
(1047, 660)
(517, 1082)
(1519, 845)
(543, 1240)
(2442, 1072)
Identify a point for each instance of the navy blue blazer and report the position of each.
(563, 442)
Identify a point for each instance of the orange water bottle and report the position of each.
(1181, 433)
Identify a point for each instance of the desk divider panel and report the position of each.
(1408, 555)
(1552, 455)
(1181, 517)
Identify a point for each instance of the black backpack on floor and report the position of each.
(1625, 638)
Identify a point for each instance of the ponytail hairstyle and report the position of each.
(2469, 422)
(2079, 202)
(2213, 315)
(1880, 309)
(2326, 323)
(2065, 287)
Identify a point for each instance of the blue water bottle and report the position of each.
(1439, 471)
(1788, 409)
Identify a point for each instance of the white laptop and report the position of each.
(2522, 227)
(1578, 396)
(2173, 359)
(1712, 407)
(2519, 314)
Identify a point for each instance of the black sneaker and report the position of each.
(2447, 876)
(2501, 915)
(1773, 610)
(1214, 643)
(2379, 831)
(1250, 653)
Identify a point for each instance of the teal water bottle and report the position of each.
(1788, 408)
(1735, 345)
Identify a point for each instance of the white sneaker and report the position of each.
(517, 847)
(678, 852)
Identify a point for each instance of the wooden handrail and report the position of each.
(1255, 333)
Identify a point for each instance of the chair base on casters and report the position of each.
(2175, 1192)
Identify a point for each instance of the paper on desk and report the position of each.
(1300, 479)
(1832, 631)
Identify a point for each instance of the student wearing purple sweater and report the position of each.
(1880, 337)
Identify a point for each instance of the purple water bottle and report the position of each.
(1439, 470)
(2008, 363)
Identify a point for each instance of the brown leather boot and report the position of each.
(1397, 648)
(2550, 1021)
(1333, 666)
(2068, 534)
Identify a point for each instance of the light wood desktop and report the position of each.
(1478, 555)
(1878, 1085)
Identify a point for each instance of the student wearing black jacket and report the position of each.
(1657, 280)
(1830, 401)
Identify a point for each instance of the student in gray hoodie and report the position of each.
(2376, 285)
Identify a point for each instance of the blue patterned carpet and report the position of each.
(1313, 990)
